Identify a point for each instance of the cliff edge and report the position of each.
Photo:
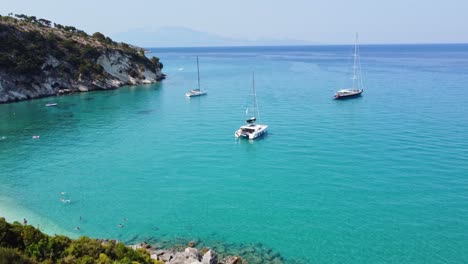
(39, 58)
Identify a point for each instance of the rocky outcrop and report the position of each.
(210, 257)
(120, 66)
(39, 60)
(190, 255)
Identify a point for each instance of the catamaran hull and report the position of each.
(251, 136)
(348, 96)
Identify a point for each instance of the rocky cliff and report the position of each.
(38, 59)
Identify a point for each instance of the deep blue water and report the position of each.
(378, 179)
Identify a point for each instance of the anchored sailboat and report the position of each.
(357, 88)
(196, 92)
(251, 129)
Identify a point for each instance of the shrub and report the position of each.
(155, 60)
(56, 246)
(10, 255)
(104, 259)
(99, 36)
(17, 242)
(84, 246)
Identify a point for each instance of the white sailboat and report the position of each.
(251, 129)
(357, 88)
(196, 92)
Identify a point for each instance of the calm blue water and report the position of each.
(378, 179)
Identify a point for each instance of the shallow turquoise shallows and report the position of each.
(378, 179)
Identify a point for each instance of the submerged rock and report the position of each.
(232, 260)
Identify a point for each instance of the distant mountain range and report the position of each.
(186, 37)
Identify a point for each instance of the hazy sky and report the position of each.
(331, 21)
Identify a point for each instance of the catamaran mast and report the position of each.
(355, 69)
(256, 112)
(198, 71)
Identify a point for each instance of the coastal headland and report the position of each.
(39, 58)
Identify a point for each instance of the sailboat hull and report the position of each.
(194, 94)
(339, 96)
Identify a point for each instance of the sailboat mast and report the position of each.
(198, 71)
(355, 61)
(256, 112)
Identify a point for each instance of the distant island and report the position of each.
(39, 58)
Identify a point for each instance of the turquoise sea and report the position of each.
(378, 179)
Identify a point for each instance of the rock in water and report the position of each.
(162, 255)
(191, 252)
(210, 257)
(189, 256)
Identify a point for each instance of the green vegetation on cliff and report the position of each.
(39, 58)
(27, 42)
(26, 244)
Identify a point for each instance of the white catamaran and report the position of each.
(357, 88)
(196, 92)
(251, 129)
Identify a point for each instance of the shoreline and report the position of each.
(250, 253)
(16, 213)
(73, 92)
(160, 248)
(177, 251)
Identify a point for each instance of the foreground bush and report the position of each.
(26, 244)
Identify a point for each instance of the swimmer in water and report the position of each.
(120, 225)
(77, 228)
(25, 222)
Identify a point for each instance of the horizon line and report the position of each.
(310, 45)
